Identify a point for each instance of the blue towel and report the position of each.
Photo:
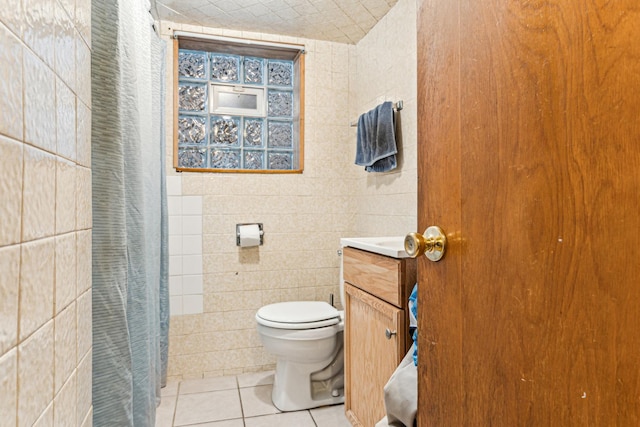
(376, 143)
(413, 308)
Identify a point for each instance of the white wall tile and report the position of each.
(192, 284)
(192, 264)
(174, 186)
(83, 198)
(175, 265)
(88, 419)
(175, 305)
(83, 20)
(83, 70)
(65, 44)
(192, 224)
(175, 225)
(83, 396)
(65, 121)
(9, 387)
(65, 196)
(35, 375)
(175, 244)
(174, 204)
(64, 405)
(44, 132)
(39, 104)
(83, 259)
(46, 419)
(192, 244)
(175, 285)
(39, 28)
(84, 334)
(192, 304)
(65, 271)
(12, 17)
(11, 119)
(70, 7)
(39, 191)
(191, 205)
(83, 134)
(10, 187)
(9, 285)
(36, 285)
(65, 346)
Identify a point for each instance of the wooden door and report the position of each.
(529, 159)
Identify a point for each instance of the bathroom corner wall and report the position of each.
(304, 217)
(45, 212)
(385, 69)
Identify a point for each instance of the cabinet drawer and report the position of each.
(378, 275)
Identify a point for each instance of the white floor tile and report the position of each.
(227, 423)
(255, 379)
(285, 419)
(165, 412)
(223, 401)
(171, 389)
(330, 416)
(257, 401)
(208, 384)
(207, 407)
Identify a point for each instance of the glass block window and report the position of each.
(237, 140)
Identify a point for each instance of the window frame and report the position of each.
(245, 47)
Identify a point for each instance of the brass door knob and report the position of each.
(432, 243)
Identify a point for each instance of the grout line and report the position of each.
(312, 419)
(240, 399)
(175, 405)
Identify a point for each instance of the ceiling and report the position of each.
(344, 21)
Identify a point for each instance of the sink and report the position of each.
(389, 246)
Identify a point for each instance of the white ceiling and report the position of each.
(345, 21)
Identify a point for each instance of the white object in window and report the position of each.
(236, 100)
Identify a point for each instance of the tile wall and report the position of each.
(385, 69)
(45, 212)
(304, 215)
(185, 250)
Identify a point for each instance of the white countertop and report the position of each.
(389, 246)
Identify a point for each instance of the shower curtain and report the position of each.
(130, 271)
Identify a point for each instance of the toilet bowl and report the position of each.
(307, 339)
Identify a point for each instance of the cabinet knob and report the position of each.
(432, 243)
(389, 333)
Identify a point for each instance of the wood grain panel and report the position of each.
(382, 276)
(371, 358)
(532, 109)
(441, 381)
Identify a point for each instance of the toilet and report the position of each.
(307, 339)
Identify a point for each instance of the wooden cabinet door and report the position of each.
(371, 357)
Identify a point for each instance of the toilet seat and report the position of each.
(298, 315)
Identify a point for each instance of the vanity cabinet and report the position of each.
(377, 288)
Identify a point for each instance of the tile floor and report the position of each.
(236, 401)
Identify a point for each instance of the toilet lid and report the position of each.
(304, 314)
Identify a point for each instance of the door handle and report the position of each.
(389, 333)
(432, 243)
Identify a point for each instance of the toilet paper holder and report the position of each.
(259, 224)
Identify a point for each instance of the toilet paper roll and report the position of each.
(249, 235)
